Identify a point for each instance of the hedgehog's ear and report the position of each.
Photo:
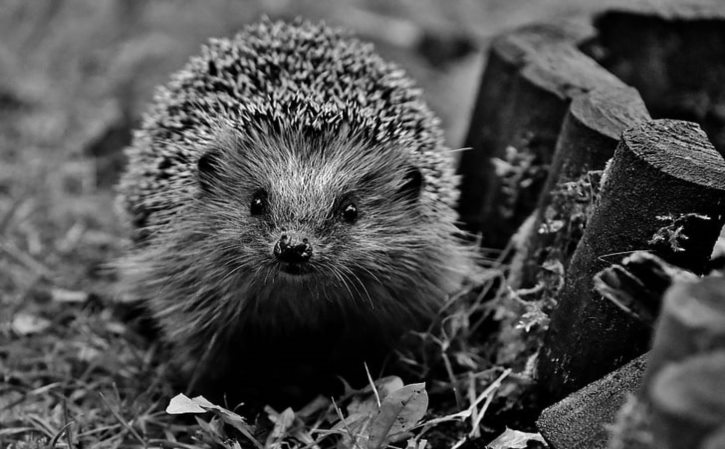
(412, 183)
(208, 169)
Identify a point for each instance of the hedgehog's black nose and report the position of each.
(288, 250)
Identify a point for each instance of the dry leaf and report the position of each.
(181, 403)
(27, 324)
(400, 411)
(514, 439)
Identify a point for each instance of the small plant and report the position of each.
(517, 170)
(571, 203)
(672, 234)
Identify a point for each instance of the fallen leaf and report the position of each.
(387, 385)
(365, 404)
(181, 403)
(202, 401)
(514, 439)
(27, 324)
(400, 411)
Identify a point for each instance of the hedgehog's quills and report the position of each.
(292, 201)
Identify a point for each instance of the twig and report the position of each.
(372, 385)
(472, 399)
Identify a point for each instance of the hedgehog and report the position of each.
(292, 205)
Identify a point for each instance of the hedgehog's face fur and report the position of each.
(313, 221)
(304, 204)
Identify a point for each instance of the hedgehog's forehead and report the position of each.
(326, 170)
(300, 183)
(326, 161)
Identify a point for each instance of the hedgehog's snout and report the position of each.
(291, 250)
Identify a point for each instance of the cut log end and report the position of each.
(609, 111)
(679, 149)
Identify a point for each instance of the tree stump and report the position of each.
(664, 191)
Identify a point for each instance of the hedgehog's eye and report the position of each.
(258, 206)
(349, 213)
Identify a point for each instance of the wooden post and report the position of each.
(507, 55)
(673, 53)
(591, 130)
(531, 76)
(664, 191)
(581, 419)
(586, 418)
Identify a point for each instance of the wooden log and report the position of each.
(507, 54)
(678, 61)
(531, 76)
(591, 130)
(665, 181)
(671, 10)
(580, 420)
